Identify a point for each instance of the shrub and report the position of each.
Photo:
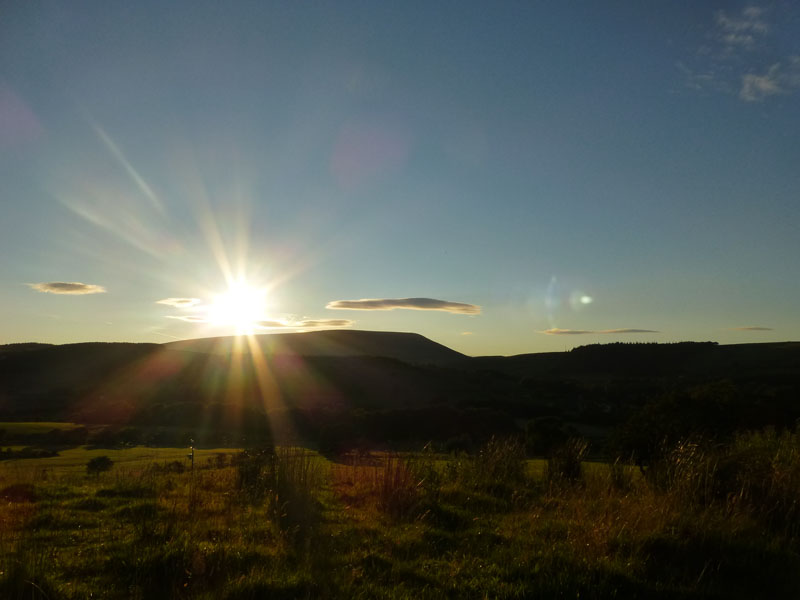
(497, 468)
(98, 465)
(399, 487)
(687, 471)
(296, 479)
(220, 460)
(18, 492)
(620, 474)
(255, 472)
(287, 478)
(760, 472)
(502, 460)
(565, 463)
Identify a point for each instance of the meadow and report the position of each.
(703, 522)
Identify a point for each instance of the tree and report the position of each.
(99, 464)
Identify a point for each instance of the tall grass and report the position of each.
(297, 480)
(288, 480)
(395, 484)
(399, 487)
(565, 463)
(497, 468)
(709, 522)
(760, 473)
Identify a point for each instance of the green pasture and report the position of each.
(293, 524)
(75, 459)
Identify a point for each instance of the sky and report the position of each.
(501, 177)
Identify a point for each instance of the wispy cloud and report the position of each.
(556, 331)
(74, 288)
(312, 323)
(629, 331)
(758, 87)
(779, 78)
(306, 323)
(277, 324)
(180, 302)
(753, 328)
(189, 318)
(271, 324)
(460, 308)
(742, 29)
(742, 56)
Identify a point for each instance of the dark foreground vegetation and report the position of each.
(344, 390)
(703, 520)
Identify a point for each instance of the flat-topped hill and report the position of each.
(410, 348)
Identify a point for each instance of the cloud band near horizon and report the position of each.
(307, 323)
(74, 288)
(180, 302)
(274, 324)
(459, 308)
(556, 331)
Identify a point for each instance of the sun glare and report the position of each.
(242, 307)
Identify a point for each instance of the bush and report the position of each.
(565, 463)
(760, 472)
(498, 468)
(687, 471)
(98, 465)
(255, 472)
(287, 478)
(399, 488)
(501, 461)
(296, 480)
(620, 474)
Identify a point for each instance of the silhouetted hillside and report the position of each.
(411, 348)
(355, 385)
(624, 360)
(22, 347)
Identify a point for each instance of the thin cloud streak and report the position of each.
(188, 318)
(306, 324)
(180, 302)
(556, 331)
(753, 328)
(74, 288)
(459, 308)
(325, 323)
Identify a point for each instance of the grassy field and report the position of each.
(73, 460)
(294, 524)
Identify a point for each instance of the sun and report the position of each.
(242, 306)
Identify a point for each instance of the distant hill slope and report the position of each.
(22, 347)
(410, 348)
(325, 370)
(332, 378)
(621, 360)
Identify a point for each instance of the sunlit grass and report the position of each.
(74, 460)
(385, 525)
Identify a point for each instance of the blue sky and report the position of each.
(572, 173)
